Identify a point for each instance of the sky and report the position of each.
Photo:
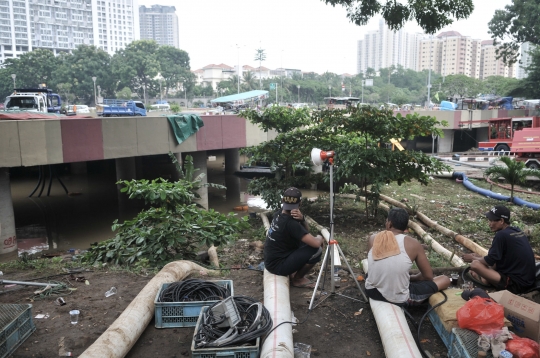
(302, 34)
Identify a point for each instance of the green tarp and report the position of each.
(184, 125)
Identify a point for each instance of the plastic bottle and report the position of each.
(111, 292)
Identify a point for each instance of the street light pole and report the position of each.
(160, 94)
(14, 76)
(329, 91)
(429, 73)
(298, 93)
(239, 71)
(95, 98)
(363, 81)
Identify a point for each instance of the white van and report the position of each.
(160, 107)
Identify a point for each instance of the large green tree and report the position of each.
(431, 15)
(137, 66)
(76, 71)
(516, 24)
(174, 67)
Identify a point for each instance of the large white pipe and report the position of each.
(118, 339)
(279, 344)
(397, 339)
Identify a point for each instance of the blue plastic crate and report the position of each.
(461, 343)
(16, 325)
(226, 352)
(182, 314)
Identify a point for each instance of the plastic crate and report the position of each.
(461, 343)
(225, 352)
(182, 314)
(16, 324)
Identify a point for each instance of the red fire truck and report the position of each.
(526, 147)
(501, 132)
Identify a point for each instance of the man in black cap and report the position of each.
(509, 264)
(290, 250)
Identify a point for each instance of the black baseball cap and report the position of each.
(498, 212)
(291, 198)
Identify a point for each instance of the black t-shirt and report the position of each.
(513, 255)
(283, 238)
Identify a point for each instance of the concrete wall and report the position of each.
(67, 140)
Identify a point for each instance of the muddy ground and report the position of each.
(335, 328)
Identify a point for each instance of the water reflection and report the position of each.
(74, 221)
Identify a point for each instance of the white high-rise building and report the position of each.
(384, 48)
(159, 23)
(62, 25)
(525, 59)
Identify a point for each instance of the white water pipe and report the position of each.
(122, 334)
(397, 339)
(279, 344)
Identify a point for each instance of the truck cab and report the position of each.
(33, 100)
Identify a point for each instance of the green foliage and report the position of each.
(124, 93)
(359, 136)
(514, 173)
(516, 24)
(172, 228)
(175, 108)
(430, 15)
(282, 119)
(160, 235)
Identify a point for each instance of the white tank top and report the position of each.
(391, 275)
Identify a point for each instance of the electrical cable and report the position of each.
(193, 290)
(245, 332)
(422, 320)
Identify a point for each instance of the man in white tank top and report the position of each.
(390, 257)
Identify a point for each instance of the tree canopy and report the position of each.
(431, 15)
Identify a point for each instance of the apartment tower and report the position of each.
(159, 23)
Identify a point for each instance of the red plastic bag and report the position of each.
(481, 315)
(522, 347)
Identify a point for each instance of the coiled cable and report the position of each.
(255, 322)
(193, 290)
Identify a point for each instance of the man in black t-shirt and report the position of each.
(509, 264)
(290, 250)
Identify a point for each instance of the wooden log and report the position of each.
(213, 256)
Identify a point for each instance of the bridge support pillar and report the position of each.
(446, 143)
(8, 240)
(232, 160)
(125, 170)
(199, 162)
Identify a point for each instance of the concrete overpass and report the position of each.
(76, 141)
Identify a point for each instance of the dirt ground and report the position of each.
(335, 328)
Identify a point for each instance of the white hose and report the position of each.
(279, 344)
(397, 339)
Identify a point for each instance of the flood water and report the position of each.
(61, 222)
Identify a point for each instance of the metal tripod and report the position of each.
(330, 251)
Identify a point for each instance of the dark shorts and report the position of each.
(305, 254)
(506, 283)
(419, 292)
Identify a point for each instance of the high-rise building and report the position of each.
(62, 25)
(450, 53)
(490, 65)
(384, 48)
(159, 23)
(525, 60)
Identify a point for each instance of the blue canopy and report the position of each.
(241, 98)
(447, 106)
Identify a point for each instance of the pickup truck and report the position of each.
(39, 99)
(120, 108)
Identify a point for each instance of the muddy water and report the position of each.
(61, 222)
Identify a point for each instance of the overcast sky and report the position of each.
(302, 34)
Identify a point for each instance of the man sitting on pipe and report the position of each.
(290, 250)
(390, 257)
(509, 264)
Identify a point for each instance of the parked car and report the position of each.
(75, 109)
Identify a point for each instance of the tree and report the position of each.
(461, 85)
(499, 85)
(514, 173)
(248, 81)
(124, 93)
(80, 66)
(516, 24)
(358, 135)
(260, 56)
(430, 15)
(137, 65)
(174, 67)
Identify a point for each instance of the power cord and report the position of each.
(193, 290)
